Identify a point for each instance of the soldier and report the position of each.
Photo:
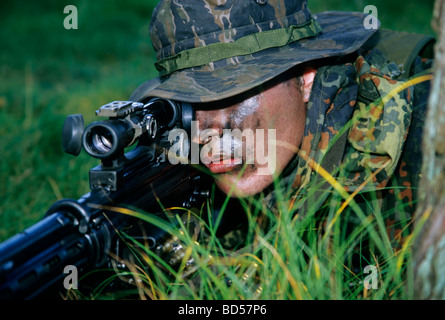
(331, 89)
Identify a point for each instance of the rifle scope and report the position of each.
(127, 122)
(106, 139)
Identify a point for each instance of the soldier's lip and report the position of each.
(221, 166)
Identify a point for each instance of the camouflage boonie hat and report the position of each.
(208, 50)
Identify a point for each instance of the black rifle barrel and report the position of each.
(33, 260)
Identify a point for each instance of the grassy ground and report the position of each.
(48, 72)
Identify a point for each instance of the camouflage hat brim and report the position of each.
(342, 33)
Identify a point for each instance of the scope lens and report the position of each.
(102, 140)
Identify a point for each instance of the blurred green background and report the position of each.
(48, 72)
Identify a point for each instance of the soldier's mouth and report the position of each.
(223, 166)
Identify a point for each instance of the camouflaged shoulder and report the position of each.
(399, 49)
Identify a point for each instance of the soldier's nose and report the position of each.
(210, 123)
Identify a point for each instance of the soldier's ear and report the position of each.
(308, 80)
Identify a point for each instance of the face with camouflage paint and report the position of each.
(277, 106)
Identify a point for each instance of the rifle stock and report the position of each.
(83, 232)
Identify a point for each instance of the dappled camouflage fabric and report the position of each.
(180, 26)
(402, 186)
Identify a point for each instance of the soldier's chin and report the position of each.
(248, 185)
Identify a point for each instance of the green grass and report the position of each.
(47, 73)
(293, 258)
